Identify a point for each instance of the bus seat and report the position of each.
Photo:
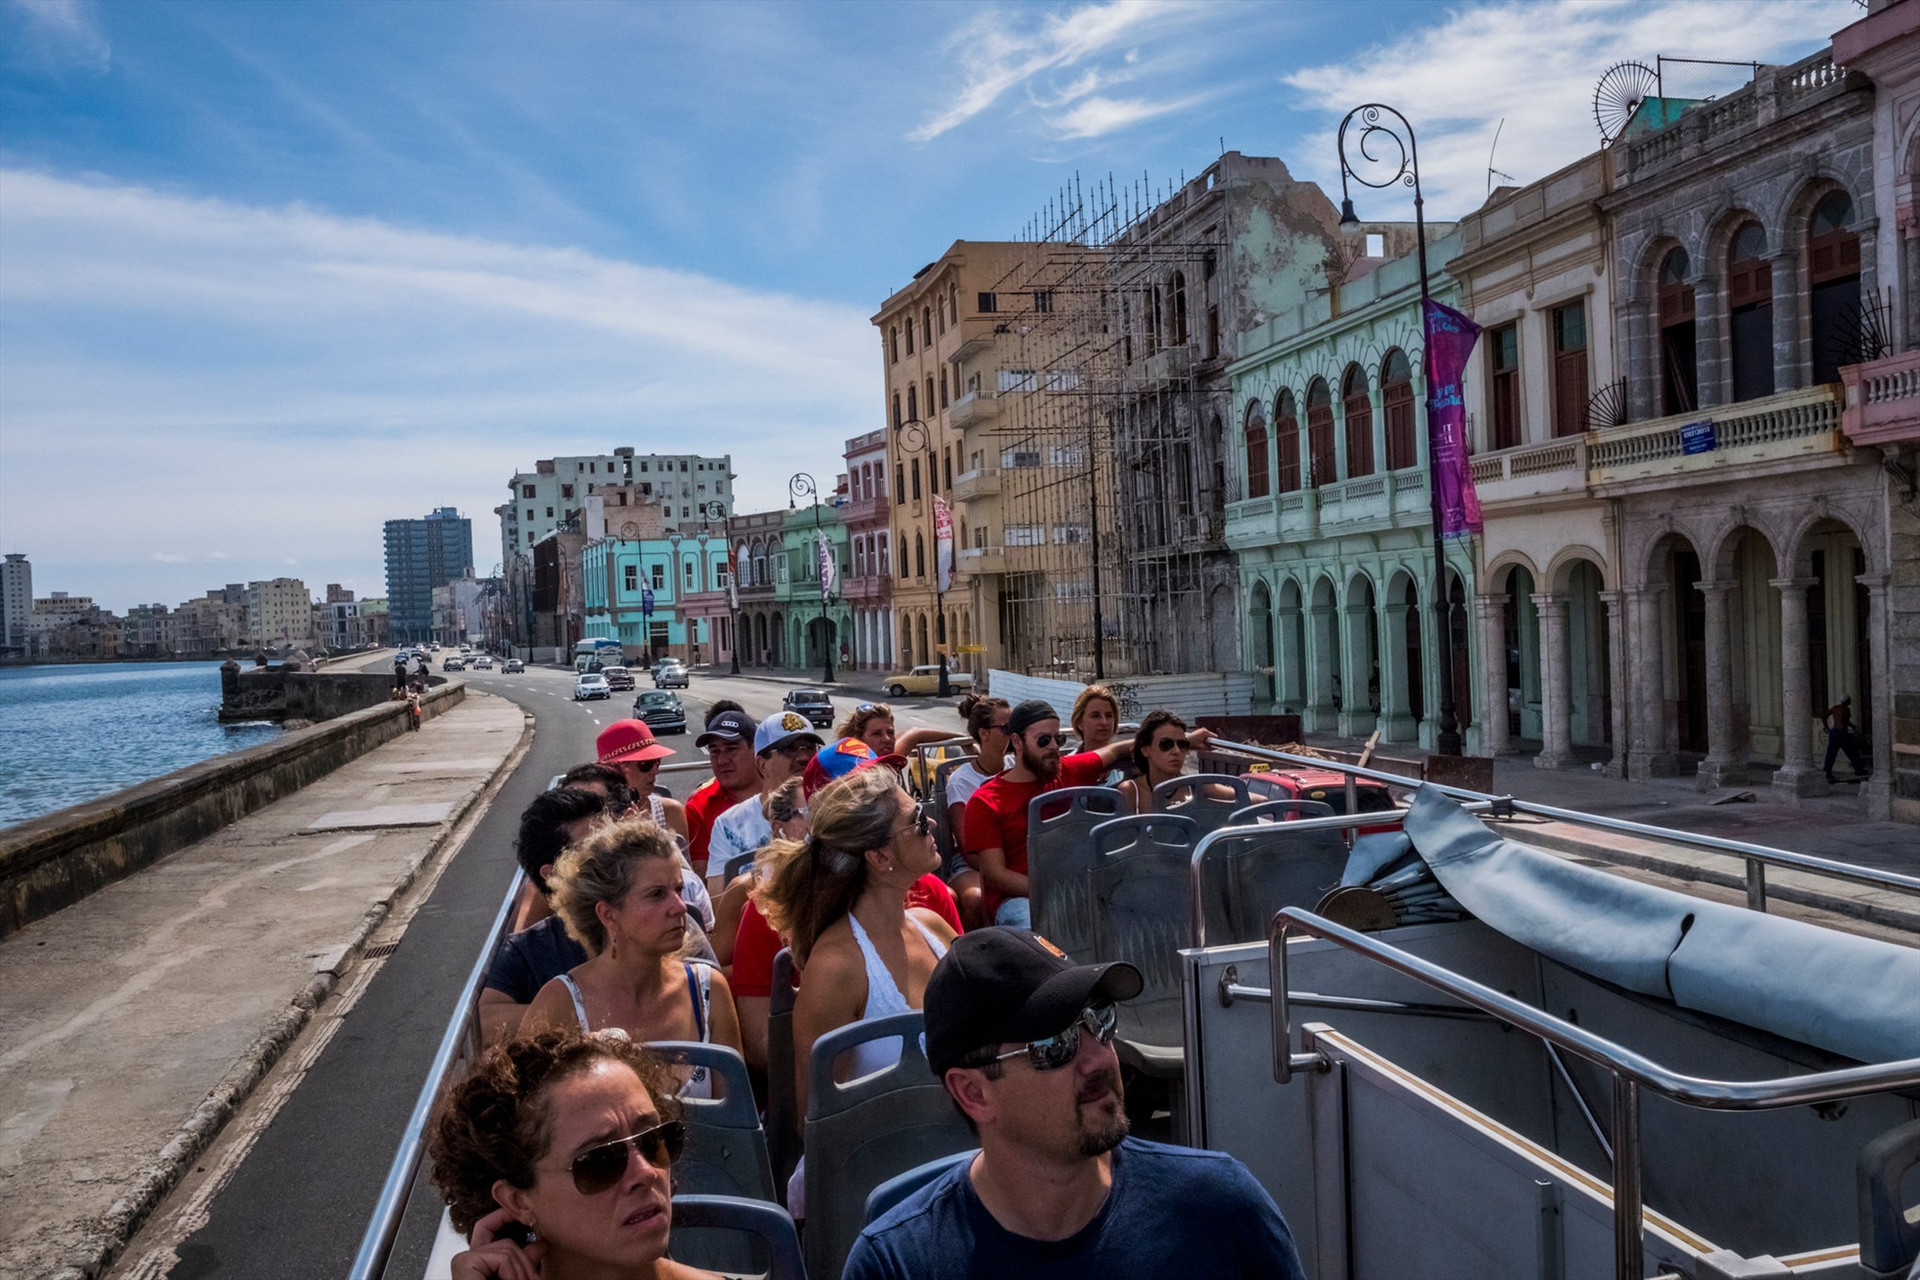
(771, 1238)
(1211, 812)
(1059, 852)
(783, 1105)
(1139, 885)
(1247, 875)
(726, 1156)
(900, 1186)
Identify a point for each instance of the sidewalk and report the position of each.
(137, 1020)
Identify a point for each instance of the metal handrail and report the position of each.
(1631, 1071)
(376, 1244)
(1757, 856)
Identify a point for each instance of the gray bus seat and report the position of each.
(726, 1155)
(1210, 812)
(1059, 852)
(783, 1104)
(1284, 810)
(1248, 873)
(1139, 886)
(865, 1131)
(771, 1240)
(900, 1186)
(1889, 1236)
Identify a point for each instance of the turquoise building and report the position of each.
(621, 577)
(816, 623)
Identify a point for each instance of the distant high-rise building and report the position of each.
(680, 484)
(16, 600)
(421, 555)
(279, 612)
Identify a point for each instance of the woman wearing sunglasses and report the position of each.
(872, 723)
(1161, 748)
(553, 1155)
(987, 723)
(839, 897)
(620, 894)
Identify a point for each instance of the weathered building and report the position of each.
(868, 589)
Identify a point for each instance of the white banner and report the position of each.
(943, 542)
(829, 568)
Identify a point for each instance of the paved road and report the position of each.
(300, 1197)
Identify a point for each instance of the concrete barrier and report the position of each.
(56, 860)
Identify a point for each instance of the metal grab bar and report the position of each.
(1631, 1071)
(1757, 856)
(376, 1244)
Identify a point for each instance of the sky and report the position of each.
(273, 273)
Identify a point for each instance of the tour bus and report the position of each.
(598, 652)
(1443, 1050)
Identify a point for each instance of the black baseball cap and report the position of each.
(1028, 714)
(1008, 986)
(728, 726)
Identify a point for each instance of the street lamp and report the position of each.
(715, 509)
(915, 440)
(1398, 163)
(797, 484)
(673, 558)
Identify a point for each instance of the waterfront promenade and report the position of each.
(135, 1020)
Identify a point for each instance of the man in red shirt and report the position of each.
(728, 743)
(996, 825)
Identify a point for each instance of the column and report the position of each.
(1495, 739)
(1396, 711)
(1323, 660)
(1289, 664)
(1357, 717)
(1722, 767)
(1648, 755)
(1798, 775)
(1878, 789)
(1556, 684)
(1615, 603)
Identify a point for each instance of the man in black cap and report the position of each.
(1023, 1040)
(728, 742)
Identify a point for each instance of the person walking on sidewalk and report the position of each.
(1840, 737)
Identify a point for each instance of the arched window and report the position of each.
(859, 557)
(1286, 441)
(926, 325)
(1150, 312)
(1320, 454)
(1396, 402)
(894, 336)
(943, 386)
(1353, 393)
(1750, 312)
(1177, 306)
(883, 545)
(913, 403)
(903, 553)
(914, 472)
(919, 555)
(1258, 456)
(909, 335)
(1833, 280)
(897, 419)
(929, 394)
(1679, 368)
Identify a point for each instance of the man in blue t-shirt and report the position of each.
(1023, 1040)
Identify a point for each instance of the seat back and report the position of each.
(1138, 882)
(1281, 810)
(1059, 852)
(1250, 871)
(760, 1231)
(783, 1100)
(726, 1156)
(1188, 796)
(900, 1186)
(865, 1131)
(943, 832)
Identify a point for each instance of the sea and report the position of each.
(78, 732)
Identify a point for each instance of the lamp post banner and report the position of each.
(829, 569)
(943, 542)
(1450, 339)
(733, 579)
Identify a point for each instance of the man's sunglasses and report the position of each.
(1057, 1051)
(1174, 744)
(1046, 740)
(599, 1168)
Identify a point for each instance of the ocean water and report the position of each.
(73, 733)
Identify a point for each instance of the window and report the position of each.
(658, 573)
(1503, 393)
(1150, 312)
(1259, 478)
(1067, 455)
(1177, 308)
(1017, 380)
(526, 491)
(909, 335)
(897, 417)
(1679, 368)
(1061, 380)
(1072, 533)
(988, 304)
(1359, 413)
(919, 556)
(1750, 312)
(913, 404)
(1320, 455)
(1286, 441)
(899, 484)
(940, 315)
(929, 400)
(1570, 369)
(859, 557)
(1014, 458)
(933, 475)
(894, 343)
(549, 513)
(529, 513)
(883, 545)
(1833, 279)
(683, 466)
(643, 466)
(1023, 535)
(915, 473)
(943, 386)
(633, 577)
(1396, 402)
(1043, 301)
(946, 466)
(687, 574)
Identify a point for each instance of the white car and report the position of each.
(590, 684)
(483, 663)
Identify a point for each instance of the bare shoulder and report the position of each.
(934, 921)
(552, 1007)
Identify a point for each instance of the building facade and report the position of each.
(279, 614)
(818, 617)
(678, 484)
(421, 555)
(636, 591)
(16, 601)
(868, 588)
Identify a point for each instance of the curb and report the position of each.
(155, 1180)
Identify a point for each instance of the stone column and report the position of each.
(1649, 755)
(1357, 717)
(1556, 684)
(1722, 767)
(1289, 666)
(1798, 775)
(1396, 711)
(1878, 789)
(1323, 660)
(1615, 603)
(1495, 739)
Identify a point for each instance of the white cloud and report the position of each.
(64, 33)
(1536, 65)
(1097, 116)
(271, 384)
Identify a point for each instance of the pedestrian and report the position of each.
(400, 670)
(1840, 737)
(414, 713)
(1022, 1039)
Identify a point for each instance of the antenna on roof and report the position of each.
(1491, 171)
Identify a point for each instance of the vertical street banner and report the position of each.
(829, 568)
(943, 542)
(646, 602)
(1450, 338)
(733, 579)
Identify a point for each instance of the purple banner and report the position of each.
(1450, 339)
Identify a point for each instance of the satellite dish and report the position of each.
(1618, 96)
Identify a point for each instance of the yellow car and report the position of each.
(925, 680)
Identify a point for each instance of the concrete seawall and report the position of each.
(56, 860)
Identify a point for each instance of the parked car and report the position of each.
(590, 684)
(513, 665)
(466, 648)
(671, 673)
(483, 663)
(452, 663)
(619, 679)
(661, 711)
(926, 680)
(1325, 786)
(814, 704)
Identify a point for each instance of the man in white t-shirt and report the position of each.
(782, 745)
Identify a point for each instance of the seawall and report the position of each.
(54, 861)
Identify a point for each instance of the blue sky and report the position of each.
(271, 273)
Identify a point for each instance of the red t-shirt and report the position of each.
(997, 814)
(757, 944)
(703, 806)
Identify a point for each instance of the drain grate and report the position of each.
(380, 952)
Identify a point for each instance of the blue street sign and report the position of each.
(1698, 437)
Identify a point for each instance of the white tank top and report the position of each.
(884, 998)
(699, 992)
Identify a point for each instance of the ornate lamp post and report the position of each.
(798, 484)
(1385, 147)
(914, 439)
(717, 510)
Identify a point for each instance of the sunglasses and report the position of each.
(1056, 1052)
(598, 1168)
(1174, 744)
(1046, 740)
(1001, 726)
(645, 766)
(921, 823)
(868, 706)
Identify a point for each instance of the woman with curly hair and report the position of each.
(553, 1156)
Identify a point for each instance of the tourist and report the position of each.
(605, 781)
(987, 720)
(610, 783)
(534, 1151)
(783, 744)
(728, 742)
(630, 747)
(1023, 1041)
(872, 723)
(1095, 720)
(539, 949)
(1160, 749)
(839, 897)
(619, 894)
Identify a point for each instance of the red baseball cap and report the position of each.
(840, 759)
(629, 740)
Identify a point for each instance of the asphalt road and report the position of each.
(299, 1199)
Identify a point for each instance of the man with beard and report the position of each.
(996, 821)
(1023, 1041)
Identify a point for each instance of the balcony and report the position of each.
(864, 511)
(1173, 364)
(872, 589)
(983, 560)
(973, 409)
(1775, 432)
(1532, 471)
(971, 486)
(977, 335)
(1883, 400)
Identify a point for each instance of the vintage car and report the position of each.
(926, 680)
